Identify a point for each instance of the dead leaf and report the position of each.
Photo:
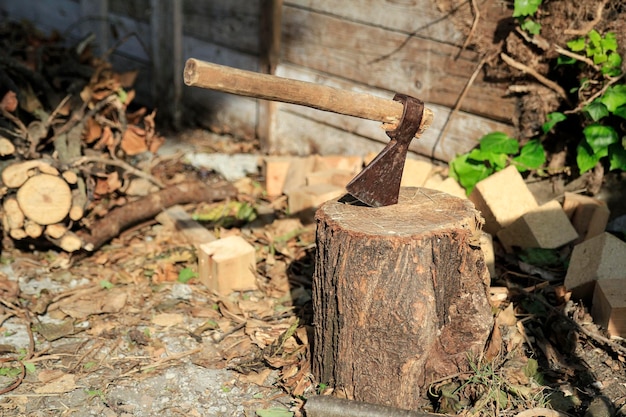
(9, 290)
(165, 272)
(65, 383)
(257, 378)
(494, 346)
(9, 102)
(47, 375)
(114, 301)
(108, 184)
(134, 141)
(55, 331)
(260, 308)
(103, 301)
(168, 319)
(93, 130)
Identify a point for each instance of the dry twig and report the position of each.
(543, 80)
(590, 25)
(457, 105)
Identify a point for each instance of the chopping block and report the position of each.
(399, 295)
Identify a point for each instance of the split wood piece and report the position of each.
(400, 295)
(227, 265)
(69, 241)
(18, 234)
(147, 207)
(275, 169)
(70, 177)
(13, 216)
(55, 231)
(16, 174)
(79, 200)
(6, 147)
(609, 306)
(45, 198)
(33, 229)
(599, 258)
(588, 215)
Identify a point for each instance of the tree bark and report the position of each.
(399, 295)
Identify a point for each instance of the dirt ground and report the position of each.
(119, 334)
(130, 331)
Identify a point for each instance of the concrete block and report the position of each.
(337, 177)
(275, 169)
(502, 198)
(588, 215)
(544, 227)
(304, 201)
(599, 258)
(415, 173)
(609, 306)
(227, 265)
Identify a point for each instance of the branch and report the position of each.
(543, 80)
(120, 164)
(149, 206)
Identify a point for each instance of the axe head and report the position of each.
(379, 182)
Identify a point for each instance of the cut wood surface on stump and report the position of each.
(400, 295)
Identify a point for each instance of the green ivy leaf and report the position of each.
(615, 60)
(617, 157)
(498, 142)
(541, 257)
(599, 137)
(532, 156)
(565, 60)
(525, 7)
(609, 42)
(599, 57)
(531, 27)
(620, 111)
(576, 45)
(585, 158)
(614, 97)
(551, 120)
(595, 38)
(468, 172)
(596, 110)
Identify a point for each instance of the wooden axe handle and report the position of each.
(270, 87)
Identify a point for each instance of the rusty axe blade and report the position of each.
(379, 182)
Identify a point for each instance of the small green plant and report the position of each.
(602, 50)
(106, 284)
(524, 10)
(603, 137)
(495, 152)
(186, 274)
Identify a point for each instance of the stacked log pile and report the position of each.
(71, 149)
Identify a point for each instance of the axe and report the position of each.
(403, 118)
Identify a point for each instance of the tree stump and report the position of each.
(399, 295)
